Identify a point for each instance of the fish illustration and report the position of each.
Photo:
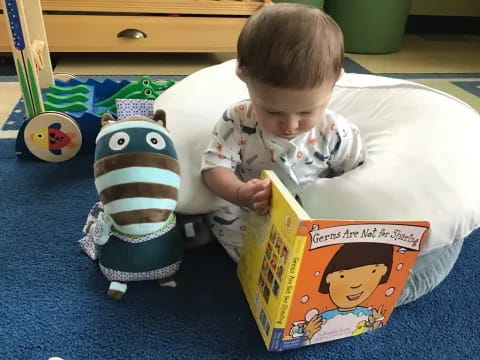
(249, 130)
(308, 160)
(53, 139)
(225, 116)
(321, 156)
(223, 221)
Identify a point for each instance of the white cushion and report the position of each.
(422, 151)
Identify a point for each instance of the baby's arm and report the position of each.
(346, 147)
(254, 194)
(221, 159)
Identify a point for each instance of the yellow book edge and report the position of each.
(283, 224)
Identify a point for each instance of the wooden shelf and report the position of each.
(164, 34)
(93, 25)
(206, 7)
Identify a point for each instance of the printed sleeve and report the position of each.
(346, 148)
(224, 147)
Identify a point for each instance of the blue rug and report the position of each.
(53, 297)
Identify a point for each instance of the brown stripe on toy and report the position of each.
(141, 216)
(120, 161)
(138, 189)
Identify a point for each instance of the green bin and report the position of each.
(370, 26)
(317, 3)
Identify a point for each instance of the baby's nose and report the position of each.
(290, 124)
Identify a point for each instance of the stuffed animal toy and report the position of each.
(133, 228)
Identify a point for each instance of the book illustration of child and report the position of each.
(350, 278)
(290, 57)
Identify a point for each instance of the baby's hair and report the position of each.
(290, 45)
(353, 255)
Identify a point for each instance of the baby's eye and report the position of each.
(273, 112)
(306, 113)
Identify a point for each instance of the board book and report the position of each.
(310, 280)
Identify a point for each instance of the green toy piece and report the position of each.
(62, 90)
(66, 98)
(76, 98)
(74, 106)
(136, 87)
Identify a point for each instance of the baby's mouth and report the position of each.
(355, 296)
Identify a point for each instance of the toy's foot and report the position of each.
(116, 290)
(196, 230)
(168, 281)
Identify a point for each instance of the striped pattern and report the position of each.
(137, 174)
(142, 159)
(139, 189)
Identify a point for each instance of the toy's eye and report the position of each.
(148, 92)
(146, 82)
(119, 140)
(40, 136)
(155, 140)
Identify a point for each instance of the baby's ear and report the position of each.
(107, 118)
(161, 117)
(240, 74)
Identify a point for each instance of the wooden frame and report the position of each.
(28, 43)
(190, 7)
(187, 25)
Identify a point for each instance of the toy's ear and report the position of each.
(161, 117)
(107, 118)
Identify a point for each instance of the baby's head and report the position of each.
(290, 56)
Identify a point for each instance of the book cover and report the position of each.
(309, 281)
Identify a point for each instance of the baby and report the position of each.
(289, 56)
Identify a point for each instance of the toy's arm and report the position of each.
(100, 229)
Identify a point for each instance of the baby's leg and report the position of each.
(231, 241)
(228, 226)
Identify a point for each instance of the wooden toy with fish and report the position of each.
(62, 117)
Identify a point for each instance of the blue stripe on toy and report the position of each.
(137, 174)
(138, 203)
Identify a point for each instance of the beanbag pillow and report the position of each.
(421, 146)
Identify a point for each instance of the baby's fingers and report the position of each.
(261, 195)
(262, 184)
(261, 208)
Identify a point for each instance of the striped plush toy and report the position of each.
(137, 177)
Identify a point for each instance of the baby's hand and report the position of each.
(256, 195)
